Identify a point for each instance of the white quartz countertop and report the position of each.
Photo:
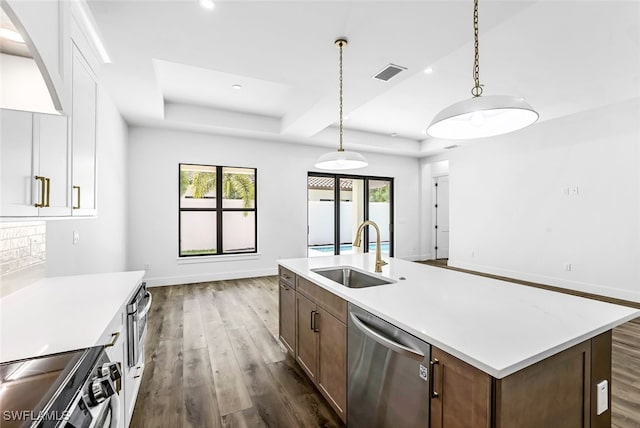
(60, 314)
(496, 326)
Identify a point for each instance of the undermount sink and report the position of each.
(352, 278)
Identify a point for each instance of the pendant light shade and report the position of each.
(341, 159)
(480, 116)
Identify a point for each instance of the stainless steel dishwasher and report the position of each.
(388, 374)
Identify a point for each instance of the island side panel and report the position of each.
(553, 392)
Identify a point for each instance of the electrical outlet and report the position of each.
(76, 237)
(602, 397)
(567, 267)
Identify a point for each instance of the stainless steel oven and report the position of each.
(68, 390)
(137, 311)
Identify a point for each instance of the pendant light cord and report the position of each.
(340, 45)
(477, 89)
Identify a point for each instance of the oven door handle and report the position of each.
(143, 312)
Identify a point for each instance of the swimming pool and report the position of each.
(344, 248)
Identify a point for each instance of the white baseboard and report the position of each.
(217, 276)
(585, 287)
(416, 257)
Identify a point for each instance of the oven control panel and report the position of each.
(93, 405)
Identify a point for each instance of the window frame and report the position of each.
(219, 211)
(336, 208)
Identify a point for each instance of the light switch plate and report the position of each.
(603, 397)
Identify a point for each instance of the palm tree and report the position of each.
(234, 186)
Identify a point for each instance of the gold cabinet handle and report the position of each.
(114, 339)
(78, 189)
(48, 186)
(42, 202)
(139, 372)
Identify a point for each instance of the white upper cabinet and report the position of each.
(49, 161)
(53, 152)
(34, 153)
(83, 136)
(16, 159)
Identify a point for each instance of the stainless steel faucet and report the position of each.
(358, 241)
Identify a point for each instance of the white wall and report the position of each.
(514, 210)
(102, 245)
(154, 155)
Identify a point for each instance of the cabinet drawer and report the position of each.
(333, 304)
(287, 276)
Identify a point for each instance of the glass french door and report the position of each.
(338, 204)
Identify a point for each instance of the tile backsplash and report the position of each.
(22, 254)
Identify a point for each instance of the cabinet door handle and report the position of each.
(433, 363)
(315, 321)
(313, 327)
(140, 369)
(78, 189)
(42, 202)
(48, 186)
(114, 339)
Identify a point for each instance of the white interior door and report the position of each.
(442, 217)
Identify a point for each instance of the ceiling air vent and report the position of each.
(388, 72)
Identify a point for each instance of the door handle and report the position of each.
(78, 189)
(114, 339)
(142, 313)
(386, 342)
(48, 186)
(315, 322)
(313, 327)
(433, 363)
(43, 186)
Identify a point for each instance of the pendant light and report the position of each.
(482, 116)
(341, 159)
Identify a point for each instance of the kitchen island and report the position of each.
(502, 334)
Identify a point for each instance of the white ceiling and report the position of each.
(174, 64)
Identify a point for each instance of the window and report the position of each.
(217, 210)
(339, 203)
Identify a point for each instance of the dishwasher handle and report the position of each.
(386, 342)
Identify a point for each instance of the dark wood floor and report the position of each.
(213, 360)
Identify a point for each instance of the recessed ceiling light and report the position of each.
(428, 70)
(207, 4)
(5, 33)
(237, 87)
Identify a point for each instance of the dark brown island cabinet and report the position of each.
(559, 391)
